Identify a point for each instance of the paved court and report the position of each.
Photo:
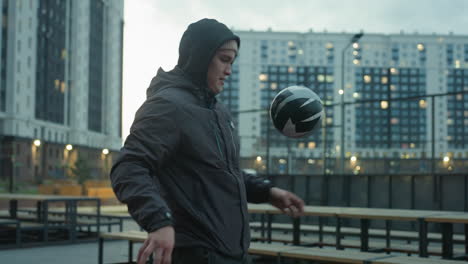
(80, 253)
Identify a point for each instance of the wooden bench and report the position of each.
(354, 231)
(101, 192)
(8, 224)
(83, 219)
(374, 246)
(20, 227)
(131, 236)
(315, 254)
(336, 256)
(414, 260)
(280, 251)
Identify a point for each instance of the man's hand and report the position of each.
(159, 242)
(287, 202)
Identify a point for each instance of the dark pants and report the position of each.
(203, 256)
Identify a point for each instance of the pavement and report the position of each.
(82, 253)
(78, 253)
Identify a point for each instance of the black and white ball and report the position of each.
(296, 111)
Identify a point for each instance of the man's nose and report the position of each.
(228, 70)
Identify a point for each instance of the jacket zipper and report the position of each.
(233, 143)
(230, 169)
(217, 142)
(228, 164)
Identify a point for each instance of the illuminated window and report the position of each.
(291, 43)
(62, 87)
(412, 145)
(291, 69)
(57, 84)
(393, 71)
(355, 52)
(273, 86)
(449, 121)
(311, 161)
(459, 97)
(341, 91)
(329, 78)
(356, 61)
(356, 45)
(394, 121)
(384, 104)
(329, 45)
(457, 64)
(311, 145)
(465, 113)
(393, 87)
(422, 103)
(300, 52)
(355, 95)
(420, 47)
(301, 145)
(329, 120)
(384, 80)
(263, 77)
(367, 79)
(321, 78)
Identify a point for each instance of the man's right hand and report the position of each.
(159, 242)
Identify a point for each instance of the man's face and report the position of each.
(220, 68)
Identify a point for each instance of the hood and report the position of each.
(198, 46)
(174, 78)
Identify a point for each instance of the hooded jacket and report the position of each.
(180, 163)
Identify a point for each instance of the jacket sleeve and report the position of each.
(257, 188)
(153, 139)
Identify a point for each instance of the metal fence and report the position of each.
(422, 192)
(411, 134)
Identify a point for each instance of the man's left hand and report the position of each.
(287, 202)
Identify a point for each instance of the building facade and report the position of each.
(402, 100)
(60, 87)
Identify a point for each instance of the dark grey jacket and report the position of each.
(180, 166)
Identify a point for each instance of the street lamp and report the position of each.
(37, 143)
(354, 40)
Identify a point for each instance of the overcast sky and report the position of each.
(153, 27)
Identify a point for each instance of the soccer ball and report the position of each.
(296, 111)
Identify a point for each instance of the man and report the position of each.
(179, 170)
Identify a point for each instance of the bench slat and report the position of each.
(135, 236)
(329, 255)
(414, 260)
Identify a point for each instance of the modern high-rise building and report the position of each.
(401, 98)
(60, 86)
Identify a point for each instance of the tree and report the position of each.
(80, 170)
